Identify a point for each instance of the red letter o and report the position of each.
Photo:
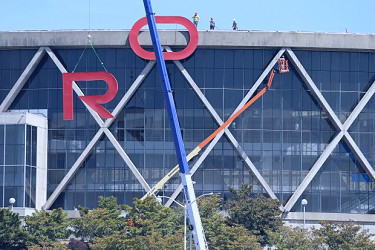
(149, 55)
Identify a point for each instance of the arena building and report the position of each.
(311, 136)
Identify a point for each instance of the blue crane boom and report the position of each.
(191, 204)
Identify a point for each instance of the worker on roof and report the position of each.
(195, 19)
(212, 24)
(234, 25)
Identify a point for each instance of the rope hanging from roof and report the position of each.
(89, 43)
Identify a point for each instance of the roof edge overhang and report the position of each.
(180, 38)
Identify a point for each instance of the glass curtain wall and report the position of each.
(18, 165)
(283, 133)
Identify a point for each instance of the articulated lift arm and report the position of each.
(196, 151)
(191, 204)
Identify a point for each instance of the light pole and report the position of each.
(185, 214)
(12, 201)
(304, 203)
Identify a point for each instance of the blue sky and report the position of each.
(357, 16)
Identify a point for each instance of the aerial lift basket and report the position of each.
(283, 65)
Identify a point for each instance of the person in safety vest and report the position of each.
(195, 19)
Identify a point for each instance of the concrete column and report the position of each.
(41, 167)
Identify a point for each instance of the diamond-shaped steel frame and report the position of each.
(341, 128)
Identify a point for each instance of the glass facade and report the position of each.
(18, 165)
(283, 133)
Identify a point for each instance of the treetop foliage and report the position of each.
(258, 214)
(11, 234)
(249, 222)
(46, 227)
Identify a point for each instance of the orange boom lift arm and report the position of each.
(196, 151)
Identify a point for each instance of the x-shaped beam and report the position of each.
(104, 126)
(104, 129)
(342, 131)
(227, 132)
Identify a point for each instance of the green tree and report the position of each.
(344, 235)
(149, 225)
(219, 234)
(293, 238)
(153, 241)
(46, 227)
(148, 216)
(153, 226)
(102, 221)
(11, 234)
(259, 215)
(54, 246)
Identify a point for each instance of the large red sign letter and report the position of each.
(149, 55)
(93, 101)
